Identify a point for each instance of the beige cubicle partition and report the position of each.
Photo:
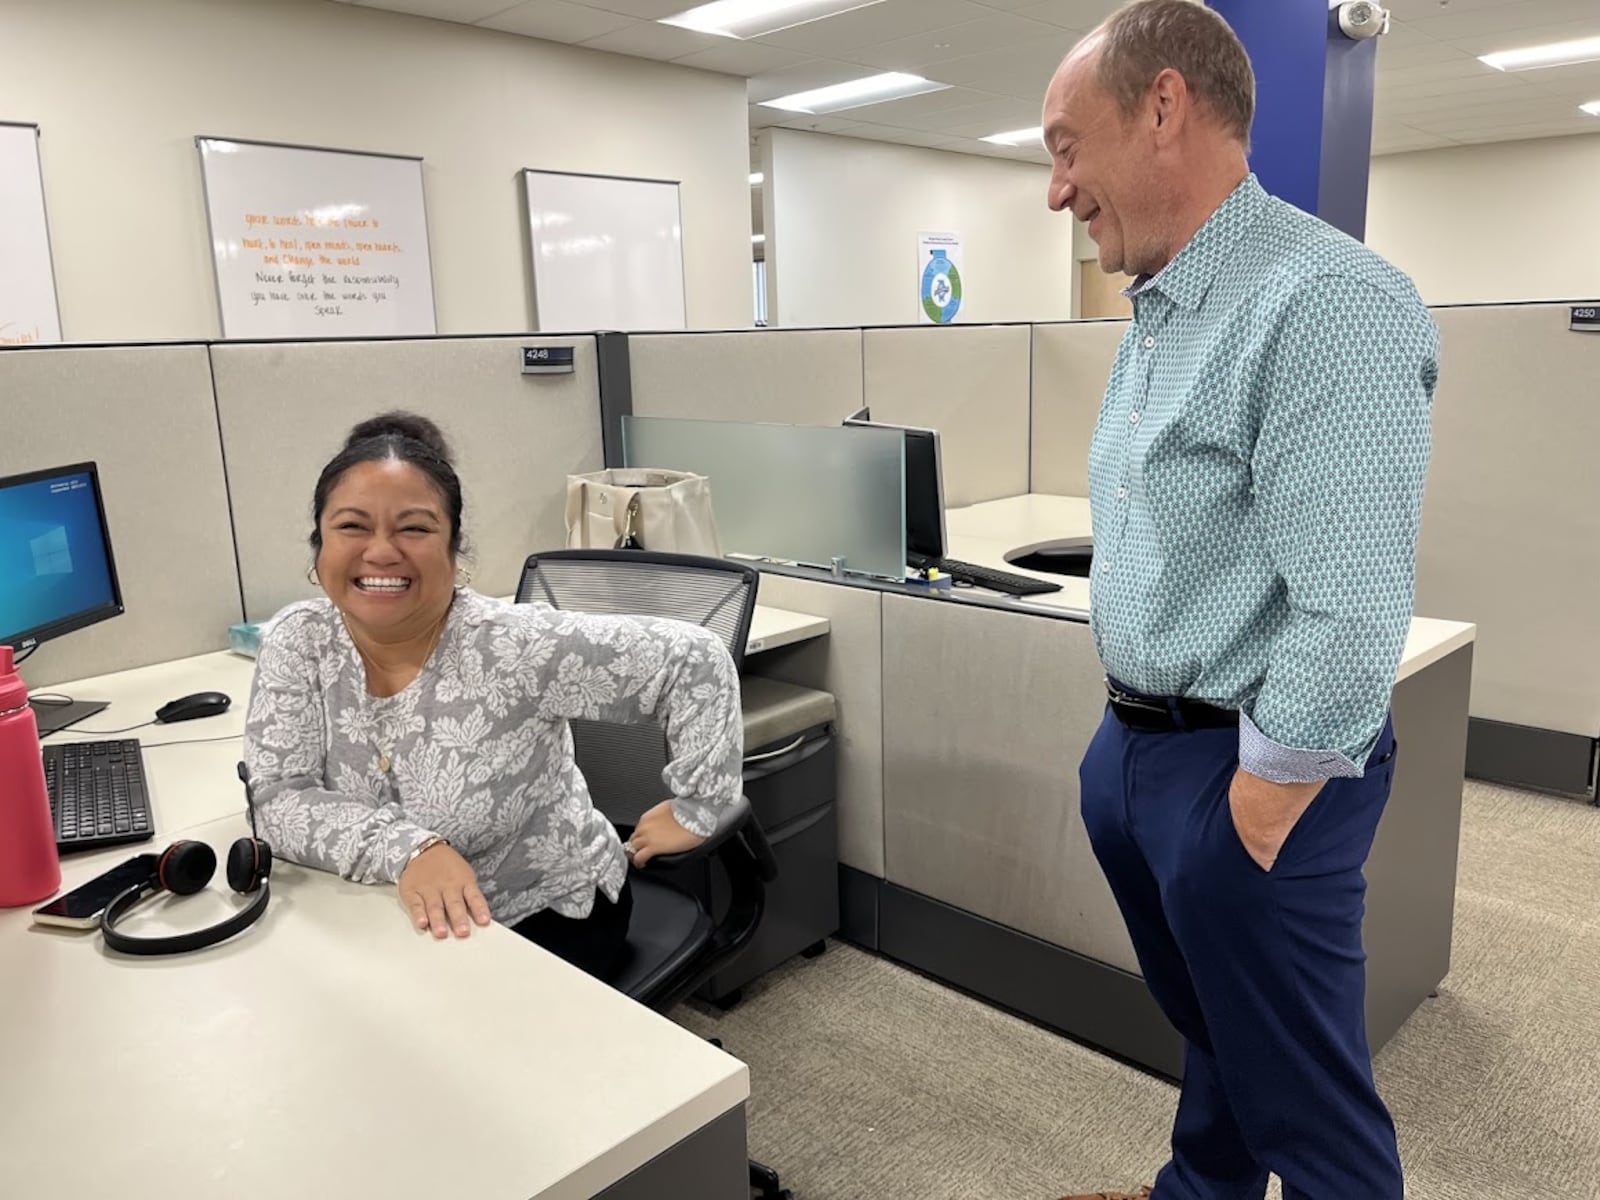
(1511, 523)
(981, 744)
(1071, 363)
(145, 415)
(786, 376)
(285, 409)
(970, 382)
(848, 663)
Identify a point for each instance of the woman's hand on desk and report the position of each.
(658, 832)
(440, 890)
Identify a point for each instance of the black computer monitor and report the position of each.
(57, 573)
(925, 537)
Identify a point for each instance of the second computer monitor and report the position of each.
(925, 536)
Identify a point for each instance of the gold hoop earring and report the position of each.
(463, 576)
(311, 577)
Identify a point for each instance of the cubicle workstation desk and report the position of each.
(963, 718)
(330, 1048)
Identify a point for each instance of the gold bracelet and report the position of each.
(427, 843)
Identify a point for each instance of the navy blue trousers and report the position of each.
(1263, 973)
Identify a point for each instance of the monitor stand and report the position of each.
(54, 716)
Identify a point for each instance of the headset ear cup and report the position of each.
(186, 867)
(249, 864)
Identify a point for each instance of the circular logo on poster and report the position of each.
(941, 288)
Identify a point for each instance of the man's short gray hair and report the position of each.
(1144, 38)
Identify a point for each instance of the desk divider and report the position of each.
(970, 382)
(145, 414)
(808, 494)
(1071, 363)
(285, 409)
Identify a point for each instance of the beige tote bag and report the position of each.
(642, 508)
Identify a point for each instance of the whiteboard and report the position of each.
(316, 243)
(28, 311)
(606, 253)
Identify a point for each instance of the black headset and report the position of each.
(185, 868)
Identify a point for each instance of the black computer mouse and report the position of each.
(187, 708)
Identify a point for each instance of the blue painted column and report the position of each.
(1312, 139)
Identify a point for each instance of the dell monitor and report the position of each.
(925, 537)
(56, 570)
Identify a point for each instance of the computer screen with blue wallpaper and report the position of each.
(56, 569)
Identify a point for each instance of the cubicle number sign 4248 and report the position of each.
(547, 360)
(1585, 318)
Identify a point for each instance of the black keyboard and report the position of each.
(97, 794)
(996, 581)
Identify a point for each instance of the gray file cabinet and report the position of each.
(790, 776)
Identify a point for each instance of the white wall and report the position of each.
(843, 215)
(1496, 222)
(120, 88)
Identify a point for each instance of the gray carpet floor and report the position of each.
(871, 1082)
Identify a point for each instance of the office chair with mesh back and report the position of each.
(674, 944)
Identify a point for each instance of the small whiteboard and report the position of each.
(316, 243)
(28, 311)
(606, 253)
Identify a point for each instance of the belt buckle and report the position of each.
(1122, 698)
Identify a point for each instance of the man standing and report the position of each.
(1256, 479)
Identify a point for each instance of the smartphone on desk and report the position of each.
(81, 907)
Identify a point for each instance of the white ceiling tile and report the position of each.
(649, 39)
(1082, 15)
(819, 124)
(1412, 10)
(1462, 67)
(1526, 20)
(1013, 71)
(645, 10)
(1494, 84)
(914, 110)
(760, 117)
(743, 58)
(1419, 53)
(1486, 43)
(906, 137)
(444, 10)
(922, 51)
(556, 21)
(1401, 36)
(876, 23)
(803, 77)
(980, 120)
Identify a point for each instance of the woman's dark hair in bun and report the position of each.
(404, 437)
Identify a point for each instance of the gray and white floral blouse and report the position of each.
(477, 748)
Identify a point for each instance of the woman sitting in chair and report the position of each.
(407, 730)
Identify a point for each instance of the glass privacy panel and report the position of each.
(796, 493)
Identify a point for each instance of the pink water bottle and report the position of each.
(30, 870)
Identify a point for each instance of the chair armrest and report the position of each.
(737, 820)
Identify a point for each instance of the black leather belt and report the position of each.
(1165, 714)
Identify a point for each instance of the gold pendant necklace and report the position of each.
(386, 756)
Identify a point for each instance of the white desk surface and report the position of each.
(328, 1049)
(985, 533)
(774, 627)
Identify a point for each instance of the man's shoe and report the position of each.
(1142, 1194)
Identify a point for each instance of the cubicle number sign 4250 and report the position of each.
(1585, 318)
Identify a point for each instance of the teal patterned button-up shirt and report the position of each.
(1256, 481)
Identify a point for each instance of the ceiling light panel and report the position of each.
(1017, 137)
(1553, 54)
(874, 89)
(757, 18)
